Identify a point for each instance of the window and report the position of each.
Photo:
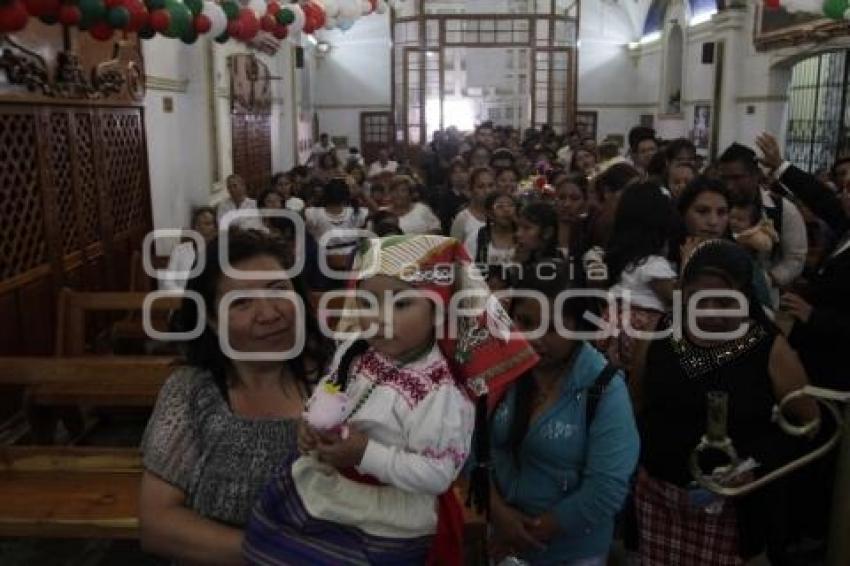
(818, 116)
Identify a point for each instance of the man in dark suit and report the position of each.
(821, 331)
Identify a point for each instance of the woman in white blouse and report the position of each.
(472, 218)
(413, 217)
(183, 255)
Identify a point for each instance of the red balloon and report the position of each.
(139, 15)
(314, 17)
(112, 3)
(272, 8)
(37, 8)
(202, 23)
(280, 31)
(160, 20)
(13, 17)
(268, 23)
(249, 25)
(101, 31)
(70, 15)
(374, 4)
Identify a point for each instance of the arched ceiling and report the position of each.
(637, 11)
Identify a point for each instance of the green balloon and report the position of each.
(285, 16)
(223, 38)
(181, 18)
(92, 11)
(118, 17)
(231, 9)
(195, 6)
(835, 9)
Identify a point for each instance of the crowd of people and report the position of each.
(577, 441)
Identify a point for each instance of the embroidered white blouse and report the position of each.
(419, 424)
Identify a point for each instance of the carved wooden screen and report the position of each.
(74, 204)
(252, 150)
(250, 122)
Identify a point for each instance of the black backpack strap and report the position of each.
(595, 392)
(478, 496)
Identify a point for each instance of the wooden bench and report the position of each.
(74, 306)
(71, 492)
(139, 279)
(66, 492)
(116, 381)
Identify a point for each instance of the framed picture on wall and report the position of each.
(586, 123)
(702, 126)
(780, 28)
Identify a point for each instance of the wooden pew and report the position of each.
(75, 305)
(139, 280)
(71, 492)
(117, 381)
(66, 492)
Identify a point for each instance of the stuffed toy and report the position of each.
(328, 409)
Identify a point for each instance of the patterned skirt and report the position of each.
(282, 532)
(674, 532)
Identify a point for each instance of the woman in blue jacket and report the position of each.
(564, 441)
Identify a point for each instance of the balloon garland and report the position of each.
(188, 20)
(833, 9)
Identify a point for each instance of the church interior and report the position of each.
(506, 282)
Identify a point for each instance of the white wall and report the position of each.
(612, 80)
(179, 166)
(189, 149)
(753, 93)
(354, 76)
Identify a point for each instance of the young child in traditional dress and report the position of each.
(377, 489)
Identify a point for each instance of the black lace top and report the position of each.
(678, 377)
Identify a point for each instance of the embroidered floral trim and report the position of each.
(458, 457)
(412, 384)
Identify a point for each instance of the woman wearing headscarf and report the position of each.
(737, 352)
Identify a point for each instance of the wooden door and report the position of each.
(251, 130)
(375, 132)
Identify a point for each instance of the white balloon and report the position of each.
(298, 24)
(259, 7)
(811, 6)
(349, 9)
(345, 25)
(294, 38)
(331, 23)
(332, 8)
(217, 17)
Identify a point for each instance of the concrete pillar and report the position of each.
(731, 31)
